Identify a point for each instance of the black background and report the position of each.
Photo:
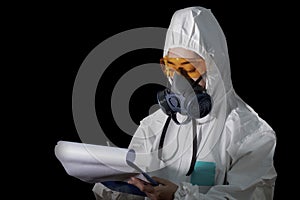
(54, 39)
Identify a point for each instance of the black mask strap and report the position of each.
(162, 138)
(194, 148)
(197, 81)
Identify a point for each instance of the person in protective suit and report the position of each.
(205, 142)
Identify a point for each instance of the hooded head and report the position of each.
(196, 29)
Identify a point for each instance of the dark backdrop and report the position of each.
(62, 35)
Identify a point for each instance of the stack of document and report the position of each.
(112, 166)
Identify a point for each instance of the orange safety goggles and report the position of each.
(191, 66)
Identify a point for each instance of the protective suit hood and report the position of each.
(196, 29)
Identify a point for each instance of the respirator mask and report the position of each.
(185, 95)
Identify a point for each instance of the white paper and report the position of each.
(95, 163)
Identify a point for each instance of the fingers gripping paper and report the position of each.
(95, 163)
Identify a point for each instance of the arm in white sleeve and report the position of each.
(143, 139)
(251, 174)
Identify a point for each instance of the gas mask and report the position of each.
(185, 96)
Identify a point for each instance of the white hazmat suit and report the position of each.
(235, 146)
